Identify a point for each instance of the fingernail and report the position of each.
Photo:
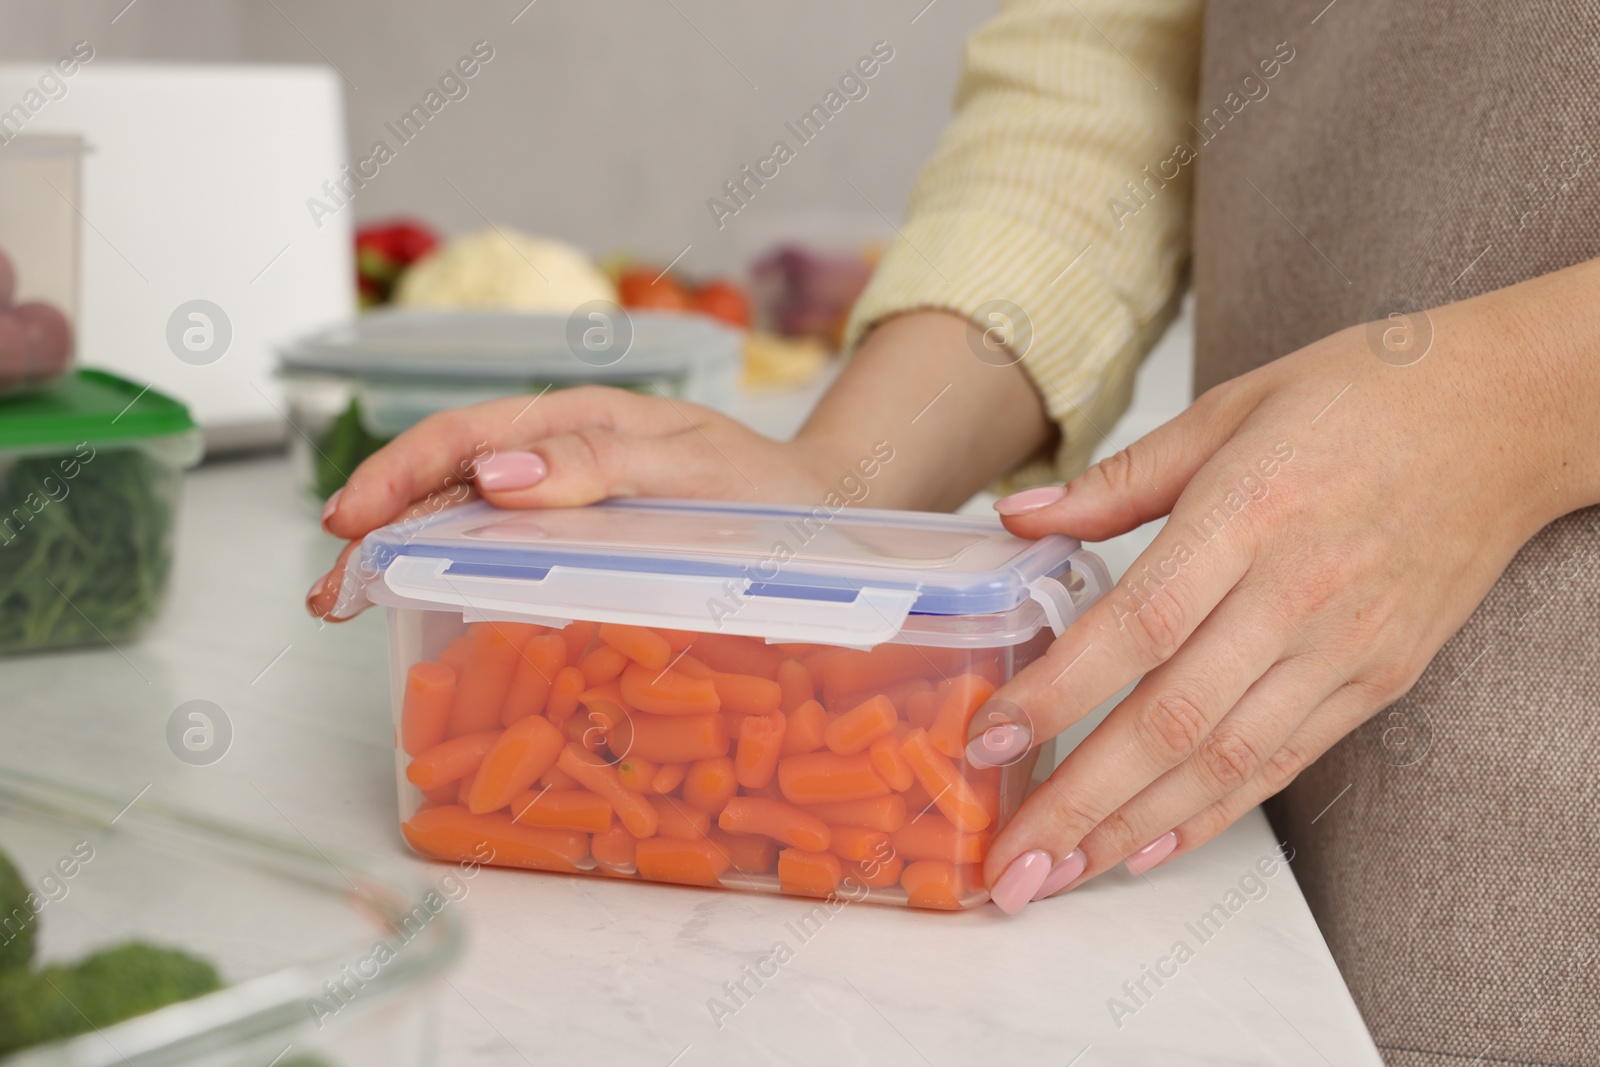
(331, 506)
(507, 471)
(1020, 880)
(1030, 500)
(1153, 853)
(998, 745)
(1062, 874)
(315, 590)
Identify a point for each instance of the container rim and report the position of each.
(258, 1006)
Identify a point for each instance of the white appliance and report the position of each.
(195, 188)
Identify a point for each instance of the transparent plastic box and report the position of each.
(39, 233)
(90, 476)
(780, 699)
(354, 387)
(293, 930)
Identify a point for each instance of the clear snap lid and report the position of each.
(595, 343)
(787, 573)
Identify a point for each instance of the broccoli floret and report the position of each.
(104, 988)
(17, 924)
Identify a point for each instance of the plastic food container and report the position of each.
(767, 698)
(38, 259)
(293, 929)
(354, 387)
(90, 473)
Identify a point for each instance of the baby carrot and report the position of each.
(803, 729)
(855, 671)
(955, 702)
(794, 685)
(454, 833)
(676, 819)
(562, 809)
(601, 664)
(425, 708)
(668, 777)
(636, 773)
(824, 777)
(639, 643)
(788, 824)
(863, 724)
(950, 791)
(709, 783)
(454, 655)
(565, 689)
(887, 813)
(878, 873)
(492, 658)
(858, 843)
(677, 640)
(921, 707)
(525, 750)
(463, 791)
(890, 764)
(450, 760)
(665, 859)
(668, 692)
(746, 694)
(932, 837)
(686, 664)
(556, 778)
(750, 853)
(755, 760)
(728, 654)
(808, 873)
(578, 635)
(614, 847)
(816, 663)
(672, 738)
(897, 692)
(543, 656)
(442, 794)
(600, 777)
(932, 884)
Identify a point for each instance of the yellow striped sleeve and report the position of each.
(1061, 102)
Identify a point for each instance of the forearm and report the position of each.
(955, 421)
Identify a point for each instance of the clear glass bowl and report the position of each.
(294, 929)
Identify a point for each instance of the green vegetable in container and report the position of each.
(17, 925)
(342, 449)
(107, 987)
(92, 565)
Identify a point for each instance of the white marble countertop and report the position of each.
(561, 969)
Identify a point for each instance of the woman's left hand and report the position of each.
(1334, 519)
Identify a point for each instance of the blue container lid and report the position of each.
(764, 570)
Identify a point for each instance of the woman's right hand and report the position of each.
(562, 449)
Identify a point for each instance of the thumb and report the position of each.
(1128, 488)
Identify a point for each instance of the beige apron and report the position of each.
(1414, 154)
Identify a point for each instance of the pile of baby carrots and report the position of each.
(703, 759)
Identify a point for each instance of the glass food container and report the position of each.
(753, 697)
(325, 959)
(90, 473)
(354, 387)
(39, 212)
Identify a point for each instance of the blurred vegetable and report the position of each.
(104, 988)
(507, 270)
(384, 252)
(649, 287)
(804, 293)
(773, 362)
(89, 567)
(342, 449)
(17, 926)
(723, 300)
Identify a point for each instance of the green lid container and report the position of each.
(90, 475)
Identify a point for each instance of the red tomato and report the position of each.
(638, 288)
(723, 300)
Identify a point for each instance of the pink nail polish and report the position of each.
(998, 745)
(1062, 874)
(1153, 853)
(316, 588)
(508, 471)
(1030, 500)
(1020, 880)
(331, 506)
